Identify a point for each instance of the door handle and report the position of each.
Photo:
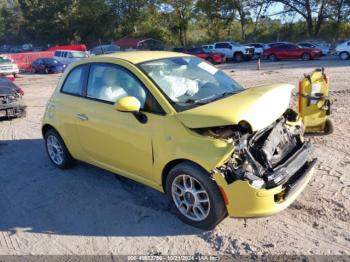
(82, 117)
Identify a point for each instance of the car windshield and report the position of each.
(4, 60)
(188, 82)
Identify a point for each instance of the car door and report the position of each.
(64, 105)
(118, 141)
(294, 52)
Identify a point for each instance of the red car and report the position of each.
(291, 51)
(206, 54)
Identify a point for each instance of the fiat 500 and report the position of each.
(179, 125)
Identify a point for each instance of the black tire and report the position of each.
(238, 57)
(329, 127)
(272, 57)
(306, 57)
(344, 55)
(14, 75)
(217, 210)
(210, 60)
(67, 160)
(47, 71)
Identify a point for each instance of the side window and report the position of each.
(57, 53)
(220, 45)
(111, 83)
(75, 81)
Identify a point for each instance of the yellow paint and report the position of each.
(313, 114)
(118, 142)
(247, 201)
(128, 104)
(259, 106)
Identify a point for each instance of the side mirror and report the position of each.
(128, 104)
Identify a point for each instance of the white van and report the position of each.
(66, 56)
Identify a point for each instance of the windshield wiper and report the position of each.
(193, 101)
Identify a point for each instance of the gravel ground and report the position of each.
(89, 211)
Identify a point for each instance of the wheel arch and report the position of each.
(47, 127)
(174, 163)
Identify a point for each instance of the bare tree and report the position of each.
(313, 11)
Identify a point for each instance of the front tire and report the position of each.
(57, 150)
(194, 197)
(344, 55)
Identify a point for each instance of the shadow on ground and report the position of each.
(37, 197)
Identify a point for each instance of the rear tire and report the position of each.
(238, 57)
(210, 60)
(57, 150)
(194, 197)
(329, 127)
(306, 57)
(344, 55)
(272, 58)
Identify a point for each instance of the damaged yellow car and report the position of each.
(178, 124)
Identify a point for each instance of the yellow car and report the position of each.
(178, 124)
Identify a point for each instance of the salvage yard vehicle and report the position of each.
(176, 123)
(7, 67)
(234, 51)
(47, 66)
(11, 104)
(290, 51)
(66, 57)
(207, 54)
(343, 50)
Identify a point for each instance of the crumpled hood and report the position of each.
(259, 106)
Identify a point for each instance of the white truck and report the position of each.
(8, 67)
(343, 50)
(234, 50)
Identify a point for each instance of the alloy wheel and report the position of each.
(190, 197)
(54, 149)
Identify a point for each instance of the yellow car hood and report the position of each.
(259, 106)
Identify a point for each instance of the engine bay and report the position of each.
(268, 157)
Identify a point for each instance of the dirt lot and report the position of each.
(88, 211)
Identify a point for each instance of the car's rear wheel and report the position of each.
(344, 55)
(194, 196)
(57, 150)
(272, 57)
(238, 57)
(210, 60)
(306, 57)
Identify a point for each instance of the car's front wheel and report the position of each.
(194, 196)
(344, 55)
(57, 150)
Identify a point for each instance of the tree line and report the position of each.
(175, 22)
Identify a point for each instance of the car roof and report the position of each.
(136, 57)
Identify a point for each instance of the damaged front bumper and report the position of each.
(288, 181)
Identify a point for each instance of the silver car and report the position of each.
(7, 67)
